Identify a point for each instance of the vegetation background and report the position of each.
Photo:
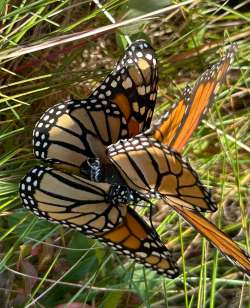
(44, 60)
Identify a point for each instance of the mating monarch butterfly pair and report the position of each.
(69, 134)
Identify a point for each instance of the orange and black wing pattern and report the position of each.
(216, 237)
(99, 211)
(155, 170)
(132, 86)
(71, 132)
(165, 129)
(137, 240)
(73, 201)
(122, 106)
(176, 127)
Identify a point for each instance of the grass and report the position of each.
(46, 265)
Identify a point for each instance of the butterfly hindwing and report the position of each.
(137, 240)
(154, 169)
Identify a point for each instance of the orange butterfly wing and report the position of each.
(175, 129)
(96, 210)
(165, 130)
(132, 86)
(177, 126)
(136, 239)
(219, 239)
(155, 170)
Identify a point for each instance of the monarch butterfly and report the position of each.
(174, 129)
(144, 156)
(96, 209)
(122, 106)
(168, 177)
(71, 134)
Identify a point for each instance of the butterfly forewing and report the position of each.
(219, 239)
(176, 127)
(154, 169)
(71, 132)
(132, 86)
(165, 129)
(70, 200)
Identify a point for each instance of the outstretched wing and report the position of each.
(71, 200)
(176, 127)
(71, 132)
(165, 129)
(219, 239)
(153, 169)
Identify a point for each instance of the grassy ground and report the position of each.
(46, 265)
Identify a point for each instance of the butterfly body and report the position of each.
(98, 171)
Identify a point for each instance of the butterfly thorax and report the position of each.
(98, 171)
(122, 194)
